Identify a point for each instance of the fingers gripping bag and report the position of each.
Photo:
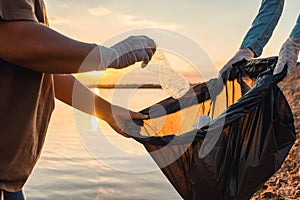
(209, 148)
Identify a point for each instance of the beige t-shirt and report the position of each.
(26, 104)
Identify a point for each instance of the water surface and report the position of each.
(66, 170)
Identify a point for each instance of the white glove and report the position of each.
(127, 52)
(288, 54)
(240, 55)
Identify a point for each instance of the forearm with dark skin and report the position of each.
(37, 47)
(84, 100)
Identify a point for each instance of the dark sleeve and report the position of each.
(263, 25)
(296, 31)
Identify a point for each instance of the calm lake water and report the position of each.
(69, 170)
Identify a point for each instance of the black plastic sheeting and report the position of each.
(238, 151)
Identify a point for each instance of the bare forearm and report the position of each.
(40, 48)
(84, 99)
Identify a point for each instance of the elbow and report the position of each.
(14, 56)
(22, 58)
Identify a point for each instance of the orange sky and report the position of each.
(217, 27)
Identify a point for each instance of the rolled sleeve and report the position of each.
(263, 25)
(12, 10)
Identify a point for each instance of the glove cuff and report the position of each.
(106, 57)
(246, 52)
(295, 42)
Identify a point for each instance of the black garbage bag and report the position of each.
(246, 142)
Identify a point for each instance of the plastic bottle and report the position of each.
(171, 81)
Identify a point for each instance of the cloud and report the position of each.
(99, 11)
(130, 20)
(58, 20)
(62, 6)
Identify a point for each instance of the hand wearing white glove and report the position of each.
(240, 55)
(288, 54)
(127, 52)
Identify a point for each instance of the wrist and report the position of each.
(253, 55)
(103, 109)
(106, 57)
(246, 52)
(249, 51)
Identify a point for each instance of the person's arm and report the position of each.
(296, 30)
(289, 51)
(37, 47)
(85, 100)
(259, 33)
(263, 26)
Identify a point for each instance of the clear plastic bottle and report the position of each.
(171, 81)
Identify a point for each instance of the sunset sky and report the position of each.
(217, 26)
